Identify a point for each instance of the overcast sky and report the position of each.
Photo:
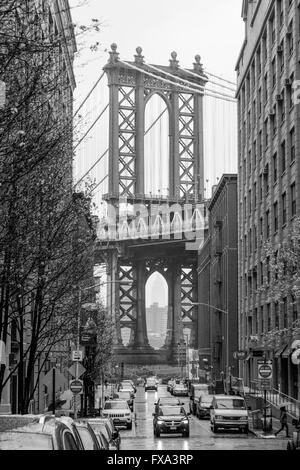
(214, 29)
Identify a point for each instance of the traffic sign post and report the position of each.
(77, 355)
(76, 386)
(265, 373)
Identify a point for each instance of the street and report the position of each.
(201, 438)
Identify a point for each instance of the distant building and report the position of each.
(157, 318)
(217, 283)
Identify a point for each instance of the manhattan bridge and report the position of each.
(153, 203)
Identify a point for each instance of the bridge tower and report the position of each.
(130, 262)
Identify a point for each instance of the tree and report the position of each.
(46, 231)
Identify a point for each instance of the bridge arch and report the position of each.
(157, 309)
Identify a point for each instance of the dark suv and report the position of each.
(171, 419)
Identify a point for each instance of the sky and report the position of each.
(213, 29)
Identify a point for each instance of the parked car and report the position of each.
(109, 431)
(294, 443)
(180, 390)
(125, 394)
(203, 406)
(229, 412)
(196, 391)
(71, 425)
(174, 382)
(51, 435)
(128, 384)
(167, 401)
(87, 436)
(119, 411)
(171, 419)
(150, 384)
(169, 385)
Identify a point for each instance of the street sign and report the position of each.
(77, 355)
(81, 369)
(265, 384)
(240, 355)
(76, 386)
(60, 380)
(265, 369)
(296, 357)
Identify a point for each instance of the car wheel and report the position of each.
(157, 433)
(214, 428)
(129, 426)
(291, 445)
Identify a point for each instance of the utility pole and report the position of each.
(53, 389)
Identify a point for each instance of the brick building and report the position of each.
(268, 165)
(217, 277)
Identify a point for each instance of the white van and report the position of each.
(229, 412)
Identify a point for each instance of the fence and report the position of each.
(277, 398)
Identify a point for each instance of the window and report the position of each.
(285, 313)
(273, 72)
(254, 195)
(260, 144)
(266, 87)
(273, 29)
(262, 323)
(292, 144)
(290, 38)
(254, 154)
(249, 202)
(290, 92)
(294, 308)
(250, 241)
(268, 224)
(276, 216)
(69, 442)
(258, 61)
(281, 57)
(276, 314)
(283, 157)
(293, 199)
(261, 274)
(260, 188)
(274, 123)
(275, 167)
(255, 245)
(280, 13)
(259, 102)
(283, 202)
(282, 107)
(266, 133)
(269, 316)
(86, 438)
(254, 113)
(266, 179)
(265, 47)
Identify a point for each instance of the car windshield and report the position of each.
(101, 427)
(168, 401)
(207, 401)
(123, 394)
(231, 403)
(11, 440)
(116, 405)
(171, 410)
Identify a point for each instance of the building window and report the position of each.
(290, 92)
(250, 241)
(261, 230)
(294, 308)
(265, 47)
(268, 224)
(258, 61)
(259, 102)
(293, 199)
(283, 157)
(276, 216)
(273, 72)
(280, 10)
(260, 144)
(276, 312)
(281, 57)
(274, 123)
(273, 28)
(269, 316)
(292, 144)
(266, 179)
(261, 274)
(285, 313)
(249, 202)
(283, 201)
(282, 107)
(262, 323)
(290, 38)
(260, 188)
(275, 168)
(255, 243)
(254, 195)
(254, 154)
(266, 134)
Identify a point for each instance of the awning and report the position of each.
(287, 352)
(280, 350)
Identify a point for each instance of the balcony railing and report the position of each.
(277, 398)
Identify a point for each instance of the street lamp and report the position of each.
(227, 331)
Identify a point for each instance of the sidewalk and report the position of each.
(270, 434)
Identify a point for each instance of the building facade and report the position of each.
(269, 174)
(217, 278)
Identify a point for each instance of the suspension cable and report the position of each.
(188, 82)
(154, 122)
(91, 127)
(190, 89)
(92, 167)
(209, 81)
(89, 94)
(100, 182)
(220, 78)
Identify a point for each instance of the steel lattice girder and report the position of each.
(127, 156)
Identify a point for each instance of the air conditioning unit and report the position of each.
(279, 97)
(279, 49)
(266, 170)
(271, 112)
(289, 30)
(287, 82)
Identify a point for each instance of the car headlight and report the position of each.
(159, 421)
(128, 415)
(185, 421)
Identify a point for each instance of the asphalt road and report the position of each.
(201, 437)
